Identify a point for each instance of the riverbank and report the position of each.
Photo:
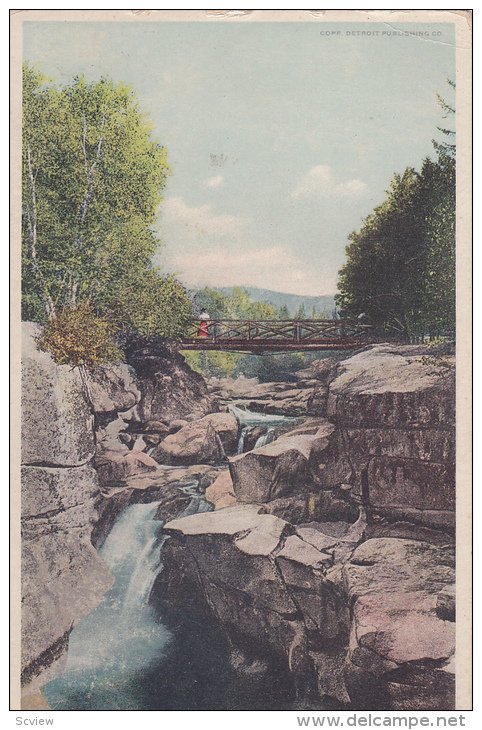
(305, 545)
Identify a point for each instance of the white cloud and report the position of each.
(219, 258)
(319, 182)
(351, 187)
(200, 220)
(208, 248)
(214, 182)
(273, 268)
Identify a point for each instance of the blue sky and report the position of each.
(280, 139)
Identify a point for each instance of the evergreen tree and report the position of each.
(301, 312)
(441, 234)
(400, 266)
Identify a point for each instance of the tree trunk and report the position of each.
(32, 225)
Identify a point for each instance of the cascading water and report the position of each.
(242, 438)
(250, 419)
(124, 656)
(266, 438)
(197, 503)
(121, 638)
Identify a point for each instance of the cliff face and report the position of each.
(169, 388)
(357, 611)
(63, 578)
(394, 412)
(78, 438)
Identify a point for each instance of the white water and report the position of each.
(242, 438)
(250, 419)
(197, 503)
(117, 654)
(123, 636)
(266, 438)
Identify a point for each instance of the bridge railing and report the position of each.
(293, 330)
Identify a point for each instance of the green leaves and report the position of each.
(93, 170)
(400, 266)
(147, 303)
(92, 181)
(236, 305)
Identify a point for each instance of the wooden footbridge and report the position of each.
(260, 336)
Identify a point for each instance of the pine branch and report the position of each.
(450, 132)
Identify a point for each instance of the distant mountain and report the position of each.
(324, 304)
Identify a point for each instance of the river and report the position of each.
(125, 656)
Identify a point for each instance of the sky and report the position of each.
(281, 137)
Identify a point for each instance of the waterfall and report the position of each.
(222, 453)
(143, 575)
(250, 419)
(122, 637)
(122, 641)
(122, 656)
(242, 437)
(266, 438)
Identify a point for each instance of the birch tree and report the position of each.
(91, 188)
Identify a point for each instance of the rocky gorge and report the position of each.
(308, 526)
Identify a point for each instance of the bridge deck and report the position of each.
(258, 336)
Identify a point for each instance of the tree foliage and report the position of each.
(213, 363)
(92, 178)
(76, 336)
(236, 305)
(400, 266)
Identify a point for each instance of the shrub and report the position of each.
(77, 336)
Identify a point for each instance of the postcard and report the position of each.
(241, 355)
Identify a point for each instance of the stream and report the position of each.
(124, 656)
(271, 425)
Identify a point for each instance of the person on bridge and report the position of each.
(203, 330)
